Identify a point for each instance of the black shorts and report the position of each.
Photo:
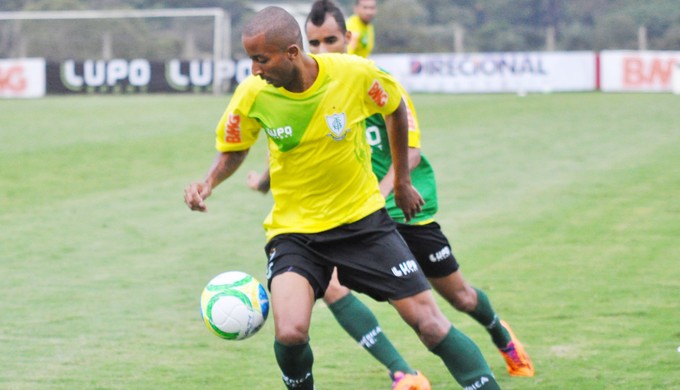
(371, 258)
(431, 248)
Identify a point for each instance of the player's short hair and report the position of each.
(279, 27)
(321, 8)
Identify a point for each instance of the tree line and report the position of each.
(523, 25)
(413, 26)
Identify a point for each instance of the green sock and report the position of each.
(295, 362)
(465, 361)
(358, 320)
(485, 315)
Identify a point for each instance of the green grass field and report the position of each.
(565, 208)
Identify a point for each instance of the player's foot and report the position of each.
(517, 360)
(403, 381)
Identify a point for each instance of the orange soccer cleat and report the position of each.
(516, 359)
(403, 381)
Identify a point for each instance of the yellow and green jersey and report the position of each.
(320, 163)
(366, 34)
(422, 176)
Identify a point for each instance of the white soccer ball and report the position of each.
(234, 305)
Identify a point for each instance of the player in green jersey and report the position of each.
(328, 211)
(422, 233)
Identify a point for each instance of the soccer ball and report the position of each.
(234, 305)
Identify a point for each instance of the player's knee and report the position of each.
(461, 296)
(292, 332)
(291, 335)
(464, 300)
(432, 328)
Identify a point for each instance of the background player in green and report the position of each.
(423, 235)
(362, 41)
(328, 212)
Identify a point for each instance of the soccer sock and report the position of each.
(465, 361)
(295, 362)
(485, 315)
(358, 320)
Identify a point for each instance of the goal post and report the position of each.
(221, 23)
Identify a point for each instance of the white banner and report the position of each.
(638, 71)
(22, 78)
(520, 72)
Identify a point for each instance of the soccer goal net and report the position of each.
(153, 35)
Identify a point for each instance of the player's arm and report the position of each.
(223, 166)
(414, 156)
(387, 181)
(406, 196)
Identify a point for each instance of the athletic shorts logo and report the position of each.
(405, 268)
(378, 94)
(270, 263)
(232, 129)
(336, 123)
(440, 255)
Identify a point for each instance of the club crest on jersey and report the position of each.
(336, 123)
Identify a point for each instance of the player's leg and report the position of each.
(295, 282)
(472, 301)
(377, 261)
(360, 322)
(476, 304)
(292, 300)
(433, 252)
(459, 353)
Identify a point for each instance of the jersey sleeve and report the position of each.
(413, 125)
(237, 131)
(383, 92)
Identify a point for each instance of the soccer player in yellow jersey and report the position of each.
(361, 26)
(328, 210)
(326, 33)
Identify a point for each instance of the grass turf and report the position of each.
(563, 208)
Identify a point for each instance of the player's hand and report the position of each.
(253, 181)
(408, 199)
(195, 195)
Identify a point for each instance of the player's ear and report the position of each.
(293, 51)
